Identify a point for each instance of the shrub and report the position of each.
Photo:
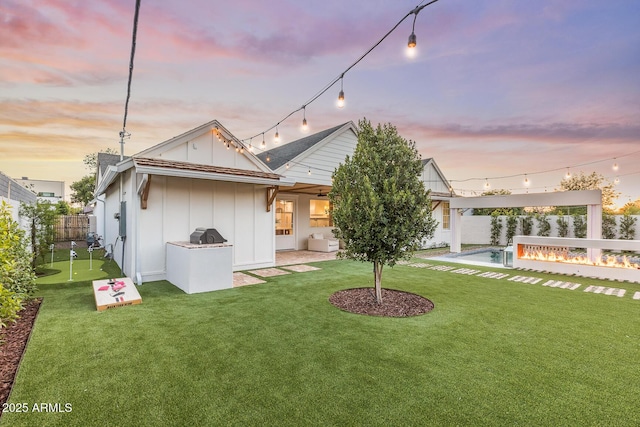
(544, 226)
(627, 227)
(563, 226)
(579, 226)
(16, 274)
(496, 228)
(608, 226)
(512, 224)
(10, 305)
(526, 225)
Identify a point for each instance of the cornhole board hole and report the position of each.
(111, 293)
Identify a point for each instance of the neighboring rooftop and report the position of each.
(12, 190)
(106, 159)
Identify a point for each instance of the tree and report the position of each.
(627, 227)
(594, 181)
(82, 191)
(381, 209)
(42, 218)
(63, 208)
(631, 208)
(91, 160)
(500, 211)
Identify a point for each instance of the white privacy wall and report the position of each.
(477, 229)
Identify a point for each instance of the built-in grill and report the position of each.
(203, 236)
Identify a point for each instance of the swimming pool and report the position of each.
(486, 257)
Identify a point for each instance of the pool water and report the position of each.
(492, 256)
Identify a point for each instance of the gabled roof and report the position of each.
(281, 155)
(195, 132)
(433, 163)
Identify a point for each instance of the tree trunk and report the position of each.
(377, 271)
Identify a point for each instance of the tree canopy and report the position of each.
(593, 181)
(382, 211)
(82, 191)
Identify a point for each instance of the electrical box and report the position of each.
(123, 219)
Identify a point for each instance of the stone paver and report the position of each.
(241, 279)
(525, 279)
(442, 267)
(636, 295)
(561, 284)
(605, 290)
(269, 272)
(493, 275)
(300, 268)
(467, 271)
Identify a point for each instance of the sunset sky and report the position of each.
(497, 88)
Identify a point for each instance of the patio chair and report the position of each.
(318, 243)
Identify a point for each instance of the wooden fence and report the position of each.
(72, 227)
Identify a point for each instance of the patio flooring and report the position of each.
(301, 257)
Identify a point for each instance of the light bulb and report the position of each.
(304, 124)
(412, 40)
(341, 99)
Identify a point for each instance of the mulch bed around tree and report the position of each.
(394, 303)
(13, 341)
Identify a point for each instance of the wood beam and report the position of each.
(145, 194)
(272, 192)
(433, 208)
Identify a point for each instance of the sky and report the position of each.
(496, 89)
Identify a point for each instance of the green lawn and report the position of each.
(492, 352)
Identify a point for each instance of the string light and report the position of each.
(526, 180)
(276, 137)
(567, 175)
(414, 11)
(264, 144)
(305, 127)
(341, 94)
(486, 184)
(615, 165)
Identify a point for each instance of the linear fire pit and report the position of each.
(558, 255)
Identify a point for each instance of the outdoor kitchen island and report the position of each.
(196, 268)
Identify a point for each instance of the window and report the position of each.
(320, 213)
(446, 216)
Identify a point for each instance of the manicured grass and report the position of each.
(492, 352)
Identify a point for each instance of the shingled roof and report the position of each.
(172, 164)
(281, 155)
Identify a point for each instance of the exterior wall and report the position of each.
(177, 206)
(477, 229)
(42, 186)
(13, 191)
(323, 161)
(441, 237)
(303, 221)
(206, 149)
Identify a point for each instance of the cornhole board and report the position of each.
(105, 299)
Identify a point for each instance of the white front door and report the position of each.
(285, 224)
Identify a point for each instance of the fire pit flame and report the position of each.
(606, 261)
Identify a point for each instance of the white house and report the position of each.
(208, 178)
(441, 194)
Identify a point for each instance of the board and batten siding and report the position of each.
(205, 149)
(433, 180)
(322, 161)
(177, 206)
